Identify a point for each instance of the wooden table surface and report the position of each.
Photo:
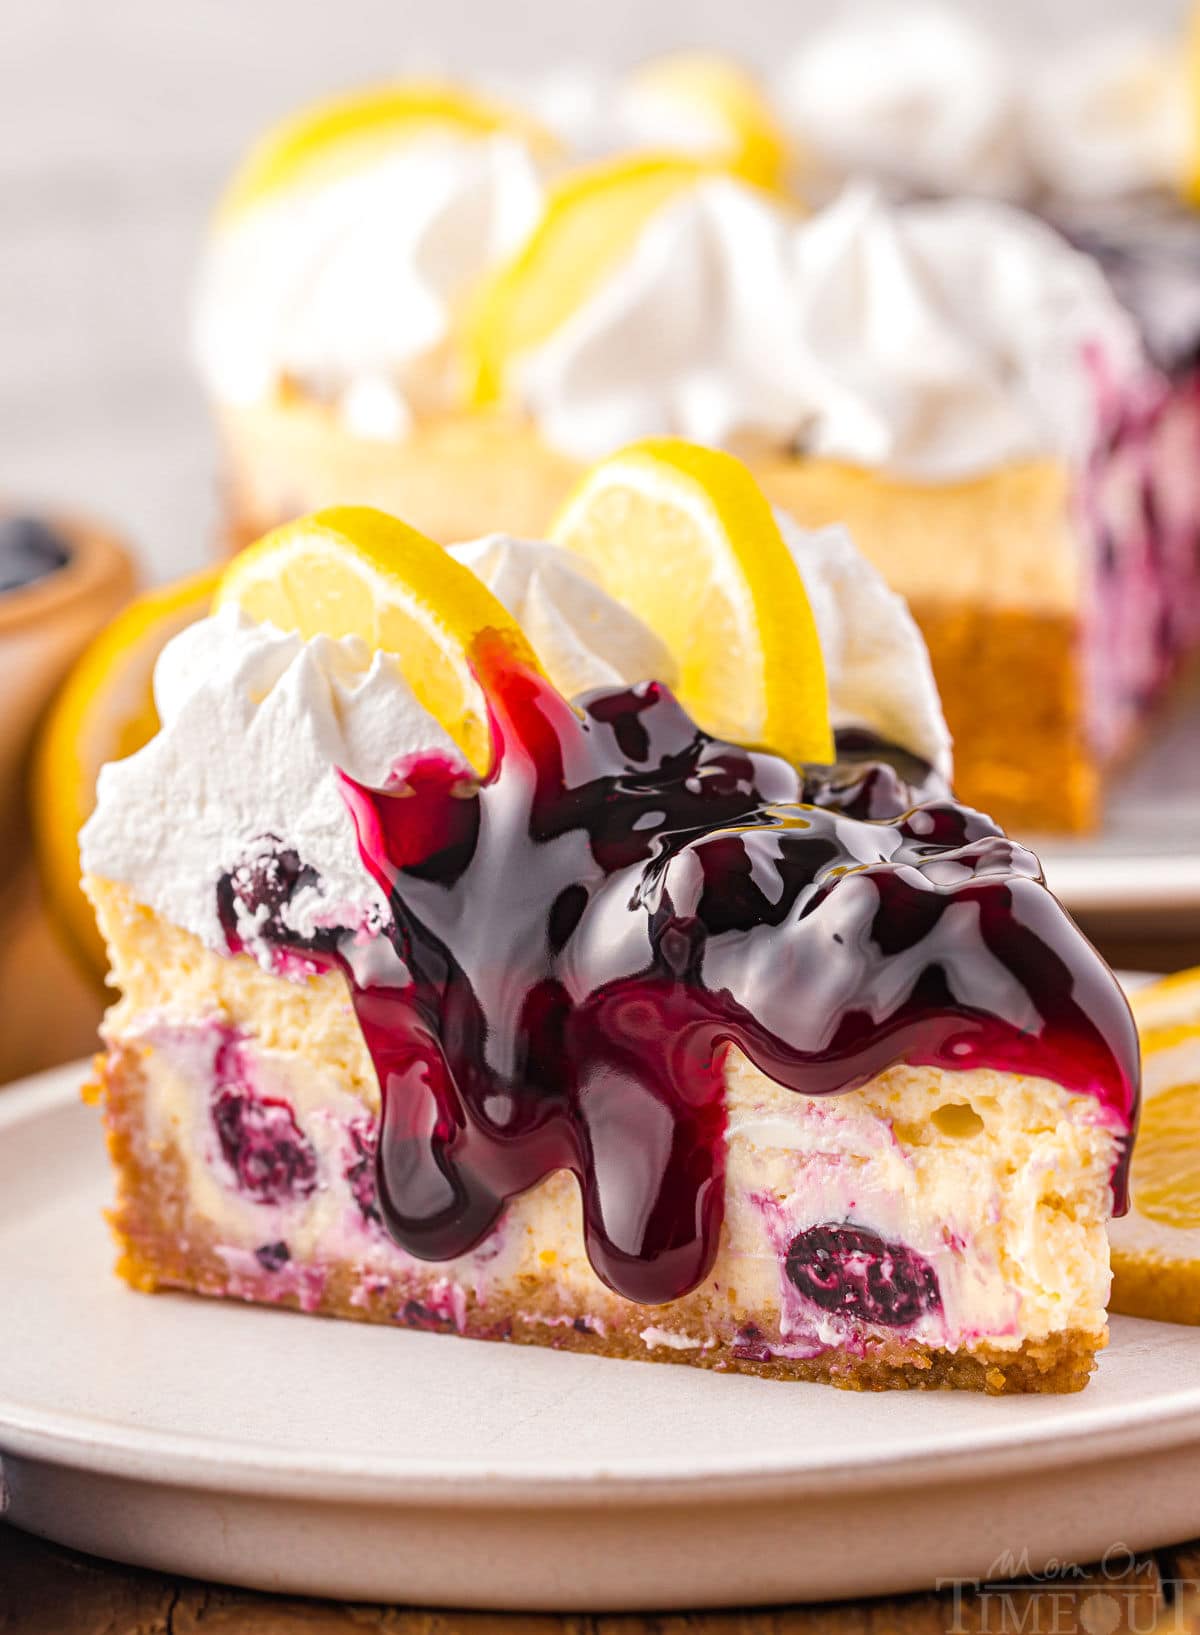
(48, 1591)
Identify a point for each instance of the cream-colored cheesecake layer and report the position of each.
(468, 475)
(1000, 1182)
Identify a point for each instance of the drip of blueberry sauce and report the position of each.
(584, 932)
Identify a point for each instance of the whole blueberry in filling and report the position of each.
(856, 1273)
(272, 1257)
(252, 897)
(360, 1171)
(264, 1146)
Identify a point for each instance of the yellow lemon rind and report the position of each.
(791, 710)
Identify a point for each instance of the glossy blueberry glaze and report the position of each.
(585, 931)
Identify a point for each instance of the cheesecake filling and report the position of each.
(926, 1206)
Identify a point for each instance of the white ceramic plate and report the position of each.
(1146, 858)
(295, 1454)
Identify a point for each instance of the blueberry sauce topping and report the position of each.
(583, 933)
(29, 551)
(857, 1274)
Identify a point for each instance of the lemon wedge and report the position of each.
(104, 711)
(717, 95)
(354, 571)
(1156, 1246)
(685, 538)
(335, 136)
(592, 218)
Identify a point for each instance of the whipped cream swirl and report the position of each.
(351, 284)
(1109, 118)
(915, 94)
(927, 99)
(934, 340)
(255, 724)
(583, 636)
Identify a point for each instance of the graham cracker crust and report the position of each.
(164, 1244)
(1146, 1284)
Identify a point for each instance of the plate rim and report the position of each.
(92, 1443)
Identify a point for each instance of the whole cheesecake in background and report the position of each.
(454, 1006)
(953, 380)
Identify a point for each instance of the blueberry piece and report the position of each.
(272, 1257)
(414, 1314)
(360, 1172)
(29, 551)
(263, 1145)
(855, 1273)
(260, 887)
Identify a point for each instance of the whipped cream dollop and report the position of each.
(935, 340)
(918, 94)
(1109, 117)
(584, 637)
(241, 778)
(877, 666)
(254, 724)
(351, 283)
(929, 99)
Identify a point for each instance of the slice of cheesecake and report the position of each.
(640, 1043)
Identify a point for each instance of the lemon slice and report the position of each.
(1156, 1246)
(337, 135)
(1191, 75)
(684, 537)
(104, 711)
(592, 218)
(718, 96)
(1162, 1007)
(354, 571)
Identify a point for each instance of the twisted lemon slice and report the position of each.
(104, 711)
(684, 537)
(338, 135)
(355, 571)
(1156, 1247)
(592, 218)
(720, 96)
